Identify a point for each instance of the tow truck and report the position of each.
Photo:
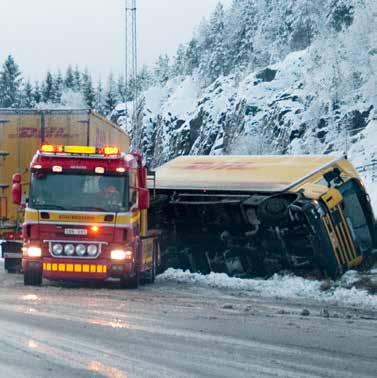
(86, 217)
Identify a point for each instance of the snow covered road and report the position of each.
(174, 329)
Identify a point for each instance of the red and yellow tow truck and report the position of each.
(86, 217)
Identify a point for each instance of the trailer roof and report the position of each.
(239, 173)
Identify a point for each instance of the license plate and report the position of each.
(75, 231)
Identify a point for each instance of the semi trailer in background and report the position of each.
(22, 132)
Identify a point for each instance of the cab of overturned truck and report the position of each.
(253, 216)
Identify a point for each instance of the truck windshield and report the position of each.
(77, 192)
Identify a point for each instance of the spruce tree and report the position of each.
(48, 94)
(69, 80)
(99, 102)
(77, 79)
(215, 63)
(88, 90)
(162, 69)
(27, 96)
(10, 82)
(111, 96)
(58, 87)
(192, 57)
(121, 89)
(37, 93)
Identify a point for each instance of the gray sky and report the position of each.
(50, 34)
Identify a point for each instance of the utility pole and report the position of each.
(131, 72)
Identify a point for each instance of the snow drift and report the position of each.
(342, 292)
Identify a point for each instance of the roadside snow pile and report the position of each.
(287, 286)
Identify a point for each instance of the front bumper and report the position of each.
(79, 270)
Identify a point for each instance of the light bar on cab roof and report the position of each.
(109, 150)
(80, 150)
(50, 148)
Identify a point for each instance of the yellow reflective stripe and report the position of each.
(61, 267)
(69, 267)
(75, 268)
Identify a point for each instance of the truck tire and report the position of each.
(32, 278)
(131, 283)
(12, 265)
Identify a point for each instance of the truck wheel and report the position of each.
(12, 265)
(131, 283)
(32, 278)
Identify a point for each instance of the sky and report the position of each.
(49, 35)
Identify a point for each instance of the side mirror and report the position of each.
(17, 189)
(144, 199)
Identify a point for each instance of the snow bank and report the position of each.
(287, 286)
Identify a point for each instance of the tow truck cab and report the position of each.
(86, 217)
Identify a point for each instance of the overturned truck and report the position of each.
(256, 215)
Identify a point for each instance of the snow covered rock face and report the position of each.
(309, 87)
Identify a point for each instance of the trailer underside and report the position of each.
(242, 235)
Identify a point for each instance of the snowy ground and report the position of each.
(342, 292)
(174, 329)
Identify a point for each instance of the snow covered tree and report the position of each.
(162, 69)
(192, 57)
(241, 26)
(215, 61)
(144, 78)
(99, 102)
(37, 93)
(121, 89)
(48, 91)
(27, 98)
(77, 77)
(58, 87)
(179, 65)
(111, 95)
(69, 80)
(10, 82)
(88, 89)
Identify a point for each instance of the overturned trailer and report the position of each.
(257, 215)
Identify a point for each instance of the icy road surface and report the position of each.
(179, 329)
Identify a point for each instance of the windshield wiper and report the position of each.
(50, 207)
(90, 208)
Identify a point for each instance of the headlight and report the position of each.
(119, 254)
(80, 250)
(57, 249)
(92, 250)
(69, 249)
(34, 252)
